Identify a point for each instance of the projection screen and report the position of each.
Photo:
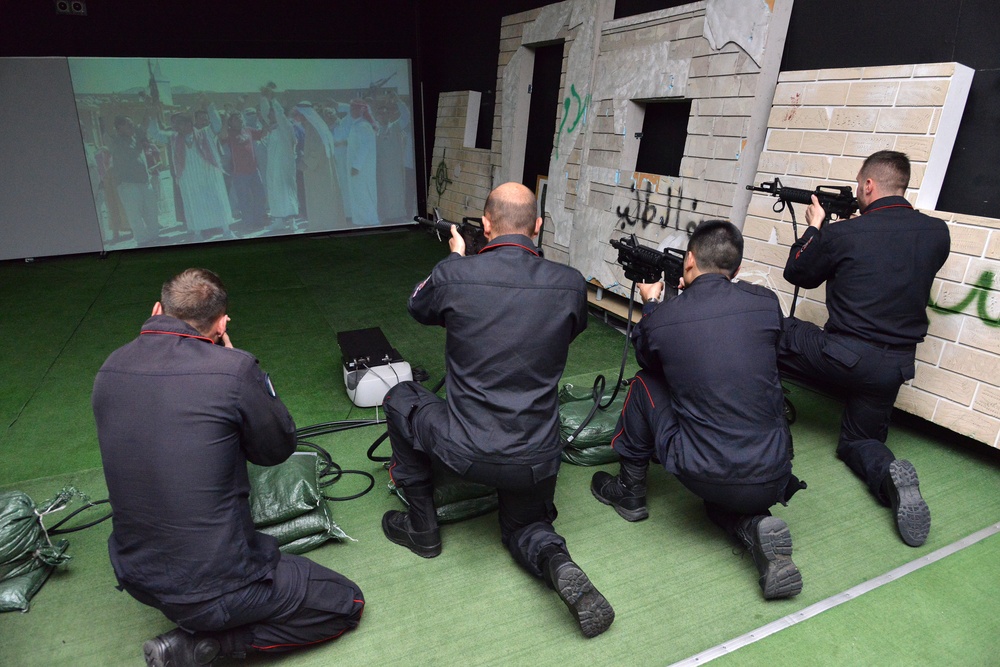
(193, 150)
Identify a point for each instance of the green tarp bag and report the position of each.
(456, 499)
(282, 492)
(592, 446)
(27, 555)
(286, 503)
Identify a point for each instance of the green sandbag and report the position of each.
(455, 507)
(23, 565)
(304, 544)
(593, 444)
(285, 491)
(456, 499)
(16, 592)
(27, 556)
(20, 526)
(319, 522)
(460, 510)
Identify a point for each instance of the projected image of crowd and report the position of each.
(183, 166)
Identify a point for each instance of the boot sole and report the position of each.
(590, 609)
(629, 515)
(913, 517)
(781, 578)
(405, 541)
(157, 653)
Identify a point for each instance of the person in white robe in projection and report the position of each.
(324, 203)
(198, 169)
(394, 125)
(279, 176)
(341, 131)
(361, 158)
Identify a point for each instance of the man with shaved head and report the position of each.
(510, 316)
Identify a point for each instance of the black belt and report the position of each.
(907, 347)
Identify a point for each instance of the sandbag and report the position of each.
(286, 503)
(316, 523)
(27, 555)
(16, 592)
(456, 499)
(592, 446)
(283, 492)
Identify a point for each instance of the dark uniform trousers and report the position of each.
(867, 374)
(299, 604)
(418, 426)
(648, 426)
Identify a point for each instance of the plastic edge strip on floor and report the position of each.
(834, 600)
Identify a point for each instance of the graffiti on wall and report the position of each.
(979, 293)
(441, 179)
(582, 104)
(646, 212)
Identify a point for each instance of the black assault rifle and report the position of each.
(471, 233)
(647, 265)
(838, 201)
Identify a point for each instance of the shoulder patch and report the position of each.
(420, 286)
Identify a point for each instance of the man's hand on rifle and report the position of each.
(456, 242)
(650, 291)
(815, 214)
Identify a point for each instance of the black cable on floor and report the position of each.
(599, 381)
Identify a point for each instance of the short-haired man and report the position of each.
(510, 316)
(878, 268)
(179, 413)
(708, 404)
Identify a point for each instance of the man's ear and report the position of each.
(219, 326)
(538, 228)
(487, 226)
(157, 309)
(689, 261)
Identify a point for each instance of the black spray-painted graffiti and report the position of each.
(645, 212)
(441, 179)
(581, 114)
(979, 293)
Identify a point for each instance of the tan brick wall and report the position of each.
(460, 177)
(823, 123)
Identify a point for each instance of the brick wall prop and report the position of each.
(747, 125)
(822, 125)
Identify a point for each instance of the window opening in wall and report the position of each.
(664, 133)
(484, 132)
(543, 111)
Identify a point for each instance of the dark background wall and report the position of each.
(454, 46)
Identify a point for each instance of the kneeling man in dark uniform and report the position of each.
(179, 413)
(510, 317)
(708, 403)
(879, 268)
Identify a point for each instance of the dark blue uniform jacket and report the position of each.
(878, 268)
(177, 419)
(510, 317)
(716, 346)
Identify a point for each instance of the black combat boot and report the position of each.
(626, 492)
(417, 528)
(770, 543)
(590, 609)
(913, 517)
(180, 648)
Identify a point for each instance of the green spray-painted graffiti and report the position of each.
(979, 293)
(582, 103)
